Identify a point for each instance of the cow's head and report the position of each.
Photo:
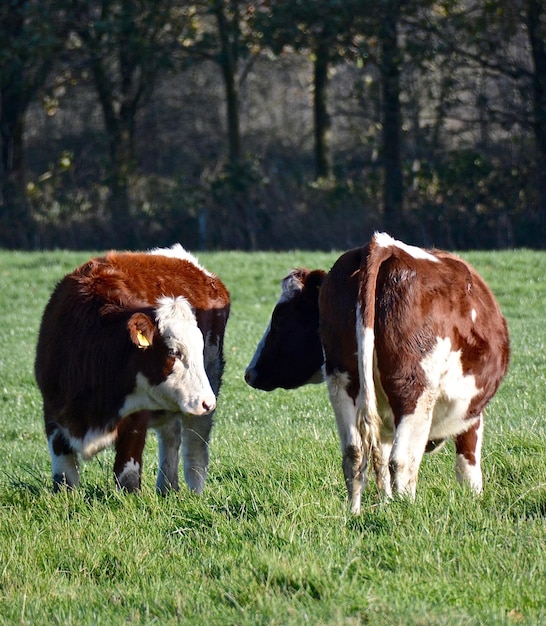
(171, 369)
(290, 352)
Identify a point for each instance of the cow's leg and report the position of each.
(354, 462)
(169, 436)
(468, 447)
(383, 472)
(195, 450)
(131, 437)
(410, 440)
(64, 462)
(214, 366)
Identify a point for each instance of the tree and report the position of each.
(390, 67)
(498, 26)
(125, 46)
(31, 33)
(535, 19)
(324, 30)
(404, 40)
(224, 34)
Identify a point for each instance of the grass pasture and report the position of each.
(271, 540)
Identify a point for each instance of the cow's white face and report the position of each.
(187, 385)
(183, 385)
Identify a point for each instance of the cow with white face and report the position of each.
(412, 345)
(130, 341)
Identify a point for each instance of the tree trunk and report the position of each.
(232, 104)
(535, 15)
(122, 167)
(323, 164)
(393, 193)
(120, 127)
(440, 110)
(15, 217)
(228, 64)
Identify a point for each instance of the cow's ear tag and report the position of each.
(142, 341)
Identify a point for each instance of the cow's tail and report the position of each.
(369, 420)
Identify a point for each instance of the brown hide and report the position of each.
(99, 330)
(418, 301)
(411, 305)
(337, 307)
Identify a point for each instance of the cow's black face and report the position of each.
(290, 353)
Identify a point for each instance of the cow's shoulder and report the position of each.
(340, 286)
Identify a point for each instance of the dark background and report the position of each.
(272, 125)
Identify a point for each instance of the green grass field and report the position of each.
(271, 540)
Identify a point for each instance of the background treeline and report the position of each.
(274, 124)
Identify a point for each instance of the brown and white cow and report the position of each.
(130, 341)
(412, 345)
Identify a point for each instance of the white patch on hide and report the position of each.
(349, 436)
(453, 390)
(63, 465)
(290, 286)
(441, 412)
(386, 241)
(344, 409)
(95, 440)
(409, 444)
(130, 475)
(143, 398)
(187, 387)
(177, 251)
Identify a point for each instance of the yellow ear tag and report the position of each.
(142, 341)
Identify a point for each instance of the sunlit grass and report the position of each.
(271, 540)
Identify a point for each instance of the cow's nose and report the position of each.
(208, 407)
(250, 375)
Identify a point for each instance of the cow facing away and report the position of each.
(412, 345)
(130, 341)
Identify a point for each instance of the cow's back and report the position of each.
(416, 302)
(150, 276)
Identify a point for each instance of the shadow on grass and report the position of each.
(31, 481)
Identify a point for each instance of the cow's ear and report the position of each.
(312, 285)
(141, 330)
(293, 283)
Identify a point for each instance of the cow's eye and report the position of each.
(175, 352)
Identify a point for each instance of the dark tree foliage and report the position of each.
(324, 28)
(224, 34)
(124, 46)
(535, 20)
(232, 124)
(31, 33)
